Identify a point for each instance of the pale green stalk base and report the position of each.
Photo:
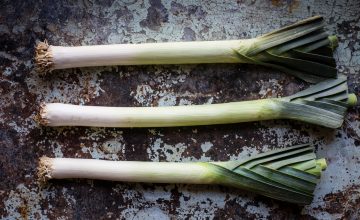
(56, 114)
(149, 53)
(131, 171)
(288, 174)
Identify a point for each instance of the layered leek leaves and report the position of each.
(288, 174)
(303, 49)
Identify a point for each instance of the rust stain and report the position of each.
(291, 4)
(23, 210)
(277, 2)
(346, 203)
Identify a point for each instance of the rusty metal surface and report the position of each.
(22, 141)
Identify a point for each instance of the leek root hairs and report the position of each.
(44, 59)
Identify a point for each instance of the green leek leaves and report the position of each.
(303, 49)
(288, 174)
(324, 104)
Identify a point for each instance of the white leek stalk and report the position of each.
(323, 104)
(303, 49)
(288, 174)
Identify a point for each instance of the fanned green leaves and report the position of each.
(303, 49)
(288, 174)
(324, 103)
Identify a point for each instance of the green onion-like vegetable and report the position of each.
(303, 49)
(323, 104)
(288, 174)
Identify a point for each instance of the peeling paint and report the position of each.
(160, 149)
(25, 203)
(206, 146)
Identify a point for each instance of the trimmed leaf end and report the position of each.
(352, 100)
(322, 163)
(333, 42)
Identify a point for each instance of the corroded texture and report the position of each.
(22, 141)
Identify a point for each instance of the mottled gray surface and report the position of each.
(22, 141)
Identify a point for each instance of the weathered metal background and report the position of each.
(22, 141)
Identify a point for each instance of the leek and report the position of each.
(288, 174)
(302, 49)
(323, 104)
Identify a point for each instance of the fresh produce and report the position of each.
(288, 174)
(302, 49)
(323, 104)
